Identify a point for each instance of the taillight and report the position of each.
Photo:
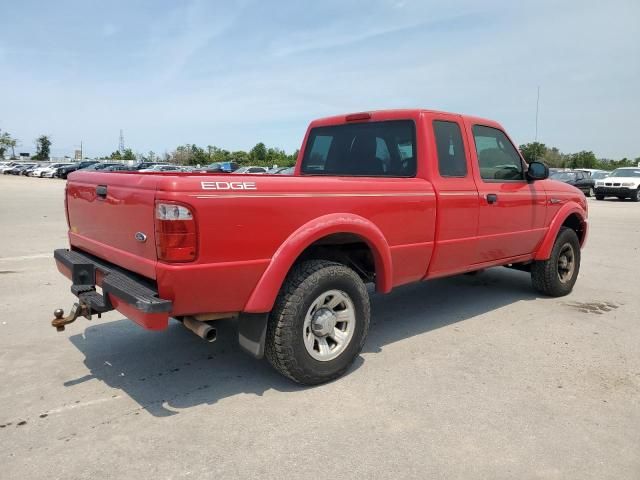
(66, 204)
(176, 235)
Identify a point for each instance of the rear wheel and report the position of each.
(590, 192)
(557, 275)
(319, 322)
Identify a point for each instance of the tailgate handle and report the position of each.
(101, 191)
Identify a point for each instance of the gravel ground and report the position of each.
(468, 377)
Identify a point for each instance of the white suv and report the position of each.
(621, 183)
(39, 172)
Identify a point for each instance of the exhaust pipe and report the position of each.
(202, 329)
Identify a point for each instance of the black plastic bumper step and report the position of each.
(127, 286)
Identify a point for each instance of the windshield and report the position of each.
(599, 175)
(626, 172)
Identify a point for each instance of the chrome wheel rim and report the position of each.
(329, 325)
(566, 263)
(591, 192)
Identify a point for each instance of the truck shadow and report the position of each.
(168, 371)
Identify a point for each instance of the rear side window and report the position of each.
(376, 149)
(451, 159)
(497, 157)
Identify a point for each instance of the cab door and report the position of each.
(583, 181)
(511, 209)
(456, 194)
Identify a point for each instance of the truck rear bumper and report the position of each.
(132, 295)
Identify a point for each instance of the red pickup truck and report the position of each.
(388, 197)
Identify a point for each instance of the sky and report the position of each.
(233, 74)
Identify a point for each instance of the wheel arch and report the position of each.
(332, 229)
(571, 216)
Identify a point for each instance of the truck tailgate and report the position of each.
(111, 215)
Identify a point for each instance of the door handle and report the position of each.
(492, 198)
(101, 191)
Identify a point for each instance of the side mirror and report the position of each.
(537, 171)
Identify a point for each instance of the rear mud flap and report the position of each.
(252, 331)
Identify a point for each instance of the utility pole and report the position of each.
(121, 144)
(81, 153)
(537, 110)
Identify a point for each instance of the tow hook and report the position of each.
(78, 310)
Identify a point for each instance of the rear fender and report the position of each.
(265, 293)
(544, 250)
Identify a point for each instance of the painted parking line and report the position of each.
(83, 404)
(26, 257)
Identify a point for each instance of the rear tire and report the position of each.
(319, 322)
(590, 192)
(557, 275)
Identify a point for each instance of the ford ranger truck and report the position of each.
(386, 197)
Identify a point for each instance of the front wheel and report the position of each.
(635, 196)
(557, 275)
(599, 197)
(319, 322)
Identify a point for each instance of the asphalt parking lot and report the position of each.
(468, 377)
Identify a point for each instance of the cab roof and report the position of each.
(395, 114)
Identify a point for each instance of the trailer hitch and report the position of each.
(78, 310)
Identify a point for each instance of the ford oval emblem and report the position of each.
(141, 237)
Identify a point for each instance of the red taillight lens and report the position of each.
(66, 204)
(176, 234)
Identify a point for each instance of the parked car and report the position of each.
(622, 183)
(277, 170)
(251, 170)
(27, 171)
(102, 165)
(225, 167)
(50, 171)
(450, 194)
(213, 168)
(17, 169)
(162, 168)
(218, 167)
(144, 165)
(62, 172)
(590, 171)
(577, 178)
(600, 174)
(8, 166)
(115, 168)
(44, 168)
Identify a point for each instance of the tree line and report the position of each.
(553, 157)
(261, 155)
(191, 154)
